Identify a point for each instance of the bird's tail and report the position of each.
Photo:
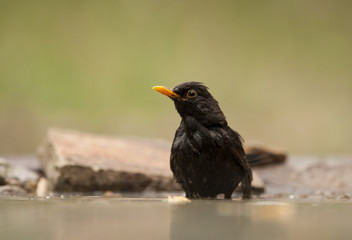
(246, 185)
(247, 181)
(260, 154)
(255, 159)
(259, 158)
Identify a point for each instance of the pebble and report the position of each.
(9, 190)
(42, 187)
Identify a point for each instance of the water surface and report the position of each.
(66, 218)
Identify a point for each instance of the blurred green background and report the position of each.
(281, 70)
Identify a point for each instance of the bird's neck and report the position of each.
(192, 124)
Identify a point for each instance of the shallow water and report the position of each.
(66, 218)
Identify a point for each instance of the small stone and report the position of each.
(15, 174)
(9, 190)
(303, 196)
(178, 199)
(2, 181)
(30, 185)
(42, 187)
(345, 196)
(13, 181)
(108, 194)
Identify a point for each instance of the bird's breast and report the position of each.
(185, 145)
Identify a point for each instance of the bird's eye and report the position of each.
(191, 93)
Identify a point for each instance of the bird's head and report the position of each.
(193, 99)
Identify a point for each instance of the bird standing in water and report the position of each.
(207, 157)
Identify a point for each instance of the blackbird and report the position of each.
(207, 157)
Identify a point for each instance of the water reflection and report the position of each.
(261, 220)
(209, 220)
(87, 218)
(229, 219)
(271, 211)
(120, 218)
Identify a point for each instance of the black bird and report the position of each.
(207, 157)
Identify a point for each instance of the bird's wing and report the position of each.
(232, 141)
(238, 150)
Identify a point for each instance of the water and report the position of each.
(66, 218)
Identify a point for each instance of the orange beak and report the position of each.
(166, 91)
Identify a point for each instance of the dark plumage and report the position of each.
(207, 157)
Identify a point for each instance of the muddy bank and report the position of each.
(81, 163)
(309, 177)
(301, 177)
